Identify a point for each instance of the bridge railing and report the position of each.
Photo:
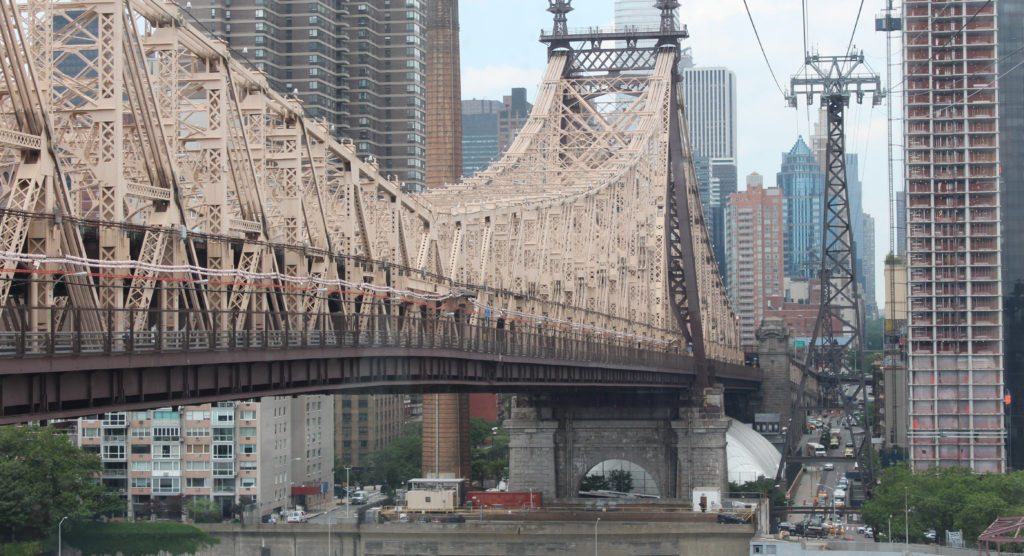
(413, 330)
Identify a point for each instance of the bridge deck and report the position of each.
(46, 375)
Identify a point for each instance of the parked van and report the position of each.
(360, 497)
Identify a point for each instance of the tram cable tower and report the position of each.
(835, 355)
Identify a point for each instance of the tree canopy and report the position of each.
(392, 466)
(950, 499)
(44, 477)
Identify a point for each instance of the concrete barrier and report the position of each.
(483, 538)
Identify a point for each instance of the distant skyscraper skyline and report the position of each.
(803, 186)
(479, 134)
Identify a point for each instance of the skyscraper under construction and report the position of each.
(955, 366)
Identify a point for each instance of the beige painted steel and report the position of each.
(245, 206)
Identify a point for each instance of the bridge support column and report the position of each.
(446, 436)
(777, 388)
(531, 451)
(560, 440)
(701, 452)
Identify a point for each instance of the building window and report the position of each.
(140, 482)
(93, 433)
(260, 13)
(197, 416)
(248, 482)
(247, 431)
(166, 434)
(113, 451)
(223, 451)
(247, 449)
(166, 451)
(195, 482)
(166, 485)
(247, 465)
(140, 448)
(141, 432)
(141, 466)
(197, 448)
(165, 415)
(197, 465)
(172, 465)
(195, 433)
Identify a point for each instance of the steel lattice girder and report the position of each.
(246, 207)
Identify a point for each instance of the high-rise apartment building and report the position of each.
(867, 251)
(722, 184)
(893, 387)
(479, 134)
(709, 97)
(1011, 130)
(803, 187)
(952, 158)
(754, 246)
(361, 66)
(264, 455)
(302, 48)
(364, 424)
(514, 113)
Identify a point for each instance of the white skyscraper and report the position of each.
(637, 13)
(709, 95)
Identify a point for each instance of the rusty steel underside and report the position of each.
(172, 230)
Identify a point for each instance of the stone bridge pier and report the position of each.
(556, 440)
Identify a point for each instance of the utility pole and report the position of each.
(837, 354)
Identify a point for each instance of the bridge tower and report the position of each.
(615, 77)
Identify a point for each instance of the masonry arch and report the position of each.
(642, 481)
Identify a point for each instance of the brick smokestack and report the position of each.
(444, 94)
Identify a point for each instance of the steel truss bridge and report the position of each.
(174, 231)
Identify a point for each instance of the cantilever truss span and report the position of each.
(152, 183)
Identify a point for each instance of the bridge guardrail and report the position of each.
(437, 331)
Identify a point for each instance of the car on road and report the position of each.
(730, 518)
(848, 453)
(296, 516)
(360, 497)
(930, 535)
(830, 466)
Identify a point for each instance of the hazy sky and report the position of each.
(500, 51)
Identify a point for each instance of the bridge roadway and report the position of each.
(62, 374)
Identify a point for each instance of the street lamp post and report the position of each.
(890, 528)
(595, 535)
(906, 517)
(59, 537)
(329, 519)
(348, 493)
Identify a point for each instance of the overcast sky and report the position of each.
(500, 51)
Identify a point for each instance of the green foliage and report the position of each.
(392, 466)
(944, 499)
(203, 510)
(29, 548)
(138, 539)
(594, 482)
(489, 451)
(620, 480)
(479, 432)
(873, 335)
(44, 478)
